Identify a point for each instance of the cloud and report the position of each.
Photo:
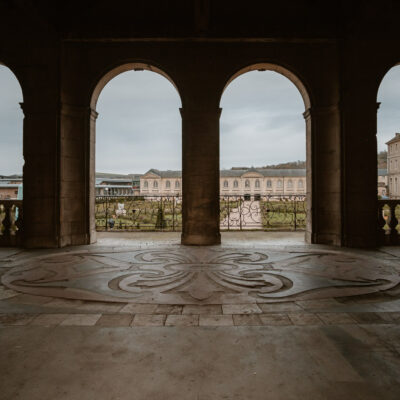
(139, 124)
(11, 121)
(389, 110)
(261, 121)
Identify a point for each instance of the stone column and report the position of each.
(77, 175)
(324, 224)
(200, 176)
(40, 171)
(360, 171)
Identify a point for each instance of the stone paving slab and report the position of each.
(182, 320)
(81, 320)
(305, 319)
(247, 320)
(141, 319)
(215, 320)
(115, 320)
(49, 319)
(149, 320)
(275, 319)
(241, 308)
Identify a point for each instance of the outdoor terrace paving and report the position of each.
(136, 317)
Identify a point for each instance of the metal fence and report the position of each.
(138, 213)
(267, 213)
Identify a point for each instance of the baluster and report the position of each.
(381, 224)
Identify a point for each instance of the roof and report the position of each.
(10, 185)
(113, 186)
(164, 174)
(264, 172)
(395, 139)
(115, 180)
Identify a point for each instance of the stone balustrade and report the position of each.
(11, 222)
(388, 222)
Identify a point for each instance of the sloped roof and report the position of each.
(164, 174)
(395, 139)
(265, 172)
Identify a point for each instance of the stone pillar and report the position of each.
(360, 171)
(324, 224)
(77, 175)
(40, 171)
(200, 176)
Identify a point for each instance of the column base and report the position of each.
(201, 240)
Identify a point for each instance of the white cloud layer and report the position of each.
(139, 124)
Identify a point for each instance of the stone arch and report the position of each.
(309, 112)
(286, 72)
(132, 66)
(95, 92)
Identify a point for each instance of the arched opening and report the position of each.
(388, 146)
(263, 148)
(138, 151)
(11, 158)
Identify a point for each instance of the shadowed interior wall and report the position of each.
(340, 53)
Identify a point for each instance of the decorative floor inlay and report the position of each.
(186, 275)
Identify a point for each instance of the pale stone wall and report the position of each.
(394, 167)
(246, 184)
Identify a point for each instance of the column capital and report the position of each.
(200, 111)
(78, 111)
(320, 110)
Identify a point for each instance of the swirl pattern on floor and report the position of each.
(186, 275)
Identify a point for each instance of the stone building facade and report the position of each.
(241, 182)
(382, 182)
(393, 164)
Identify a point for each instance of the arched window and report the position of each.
(257, 184)
(225, 184)
(155, 184)
(247, 183)
(269, 183)
(290, 184)
(146, 185)
(235, 184)
(300, 184)
(279, 185)
(168, 184)
(177, 185)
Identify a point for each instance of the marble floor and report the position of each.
(263, 316)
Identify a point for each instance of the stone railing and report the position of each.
(388, 222)
(11, 222)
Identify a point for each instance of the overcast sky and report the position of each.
(139, 124)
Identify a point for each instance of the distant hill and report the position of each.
(287, 165)
(111, 176)
(15, 176)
